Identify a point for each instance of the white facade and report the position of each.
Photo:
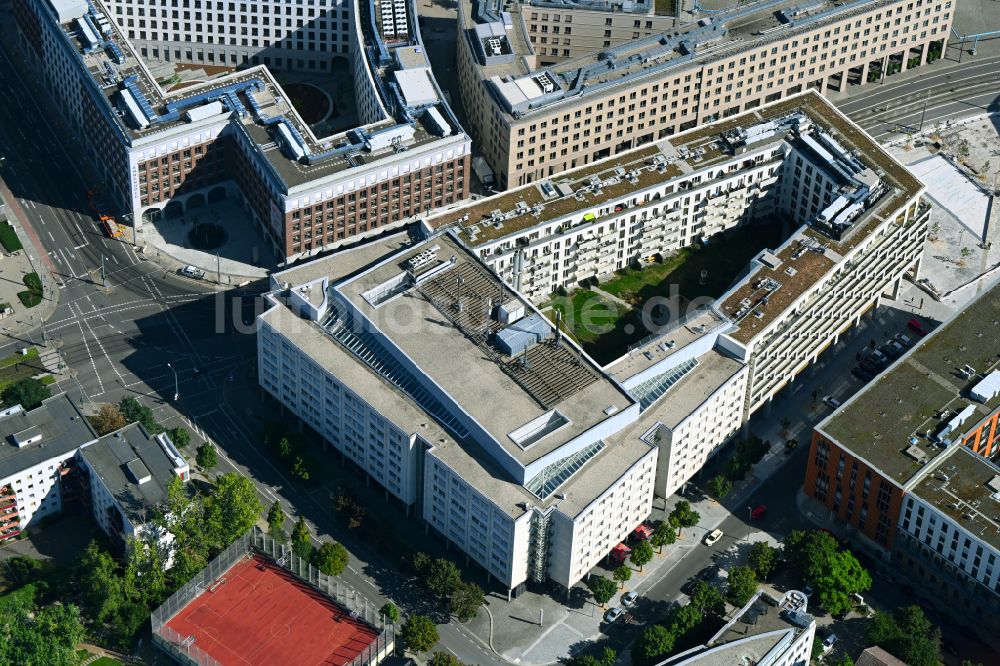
(37, 490)
(345, 420)
(952, 543)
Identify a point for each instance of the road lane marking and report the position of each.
(77, 247)
(51, 237)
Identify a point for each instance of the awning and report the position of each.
(620, 552)
(643, 532)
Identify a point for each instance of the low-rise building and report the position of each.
(767, 631)
(129, 472)
(36, 461)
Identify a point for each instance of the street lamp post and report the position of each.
(176, 386)
(749, 522)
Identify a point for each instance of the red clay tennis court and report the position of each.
(258, 613)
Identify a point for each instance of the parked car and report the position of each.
(758, 511)
(879, 356)
(863, 374)
(903, 339)
(629, 598)
(830, 401)
(688, 587)
(917, 326)
(712, 537)
(829, 642)
(890, 351)
(873, 363)
(613, 614)
(192, 272)
(897, 345)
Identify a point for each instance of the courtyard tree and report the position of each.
(622, 575)
(907, 634)
(602, 588)
(642, 553)
(419, 633)
(444, 659)
(180, 436)
(684, 516)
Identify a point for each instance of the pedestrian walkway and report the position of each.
(611, 297)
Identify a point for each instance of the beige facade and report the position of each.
(650, 89)
(558, 34)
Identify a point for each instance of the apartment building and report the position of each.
(163, 147)
(539, 490)
(36, 458)
(898, 466)
(857, 217)
(532, 120)
(558, 31)
(767, 631)
(53, 461)
(129, 472)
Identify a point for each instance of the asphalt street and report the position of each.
(895, 108)
(119, 340)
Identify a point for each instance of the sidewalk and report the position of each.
(24, 320)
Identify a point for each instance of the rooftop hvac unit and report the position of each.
(545, 83)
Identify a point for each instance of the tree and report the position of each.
(180, 436)
(707, 600)
(300, 468)
(606, 657)
(232, 508)
(622, 575)
(742, 585)
(807, 552)
(301, 541)
(389, 613)
(665, 534)
(442, 577)
(642, 553)
(684, 619)
(719, 486)
(99, 583)
(465, 601)
(108, 419)
(421, 563)
(684, 516)
(28, 393)
(206, 456)
(276, 522)
(843, 660)
(419, 633)
(602, 588)
(907, 634)
(331, 559)
(763, 558)
(841, 576)
(443, 659)
(134, 411)
(654, 643)
(34, 636)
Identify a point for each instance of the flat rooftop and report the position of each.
(135, 468)
(251, 96)
(54, 428)
(450, 345)
(751, 633)
(965, 487)
(257, 613)
(694, 388)
(667, 343)
(715, 35)
(894, 422)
